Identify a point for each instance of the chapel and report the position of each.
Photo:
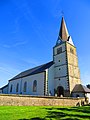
(59, 77)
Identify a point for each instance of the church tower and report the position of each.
(66, 70)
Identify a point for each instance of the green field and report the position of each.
(44, 113)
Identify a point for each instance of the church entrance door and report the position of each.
(60, 91)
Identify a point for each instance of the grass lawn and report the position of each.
(44, 113)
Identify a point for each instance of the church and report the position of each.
(59, 77)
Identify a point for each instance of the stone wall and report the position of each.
(73, 68)
(20, 100)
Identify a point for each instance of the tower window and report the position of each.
(71, 50)
(59, 50)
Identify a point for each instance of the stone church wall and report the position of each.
(73, 69)
(18, 100)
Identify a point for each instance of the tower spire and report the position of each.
(63, 33)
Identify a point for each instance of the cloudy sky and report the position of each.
(29, 30)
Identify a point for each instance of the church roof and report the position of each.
(33, 71)
(80, 88)
(4, 87)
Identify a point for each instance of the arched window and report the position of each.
(34, 86)
(11, 88)
(25, 87)
(17, 87)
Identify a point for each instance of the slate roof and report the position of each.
(4, 87)
(81, 88)
(63, 33)
(33, 71)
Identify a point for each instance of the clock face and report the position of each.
(59, 41)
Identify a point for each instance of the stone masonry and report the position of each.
(18, 100)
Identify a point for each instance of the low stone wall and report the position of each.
(23, 100)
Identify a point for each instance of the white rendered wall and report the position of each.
(88, 95)
(62, 82)
(60, 71)
(5, 90)
(60, 59)
(60, 68)
(14, 84)
(0, 91)
(29, 79)
(40, 84)
(51, 79)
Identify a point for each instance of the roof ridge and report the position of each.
(35, 70)
(36, 66)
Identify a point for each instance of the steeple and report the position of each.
(63, 33)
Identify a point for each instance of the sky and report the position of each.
(29, 30)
